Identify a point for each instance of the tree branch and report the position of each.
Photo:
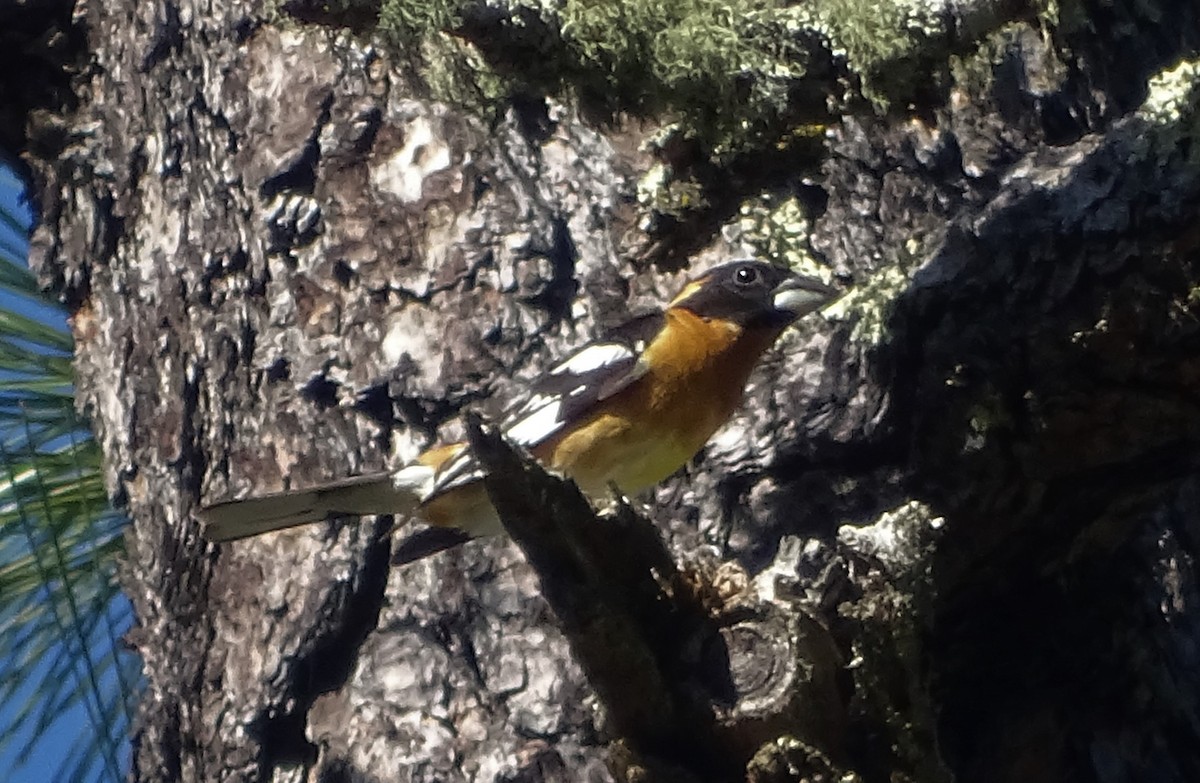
(693, 683)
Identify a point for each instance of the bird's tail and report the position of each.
(379, 493)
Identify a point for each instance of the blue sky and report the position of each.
(74, 722)
(12, 201)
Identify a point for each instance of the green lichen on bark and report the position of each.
(1171, 102)
(731, 74)
(893, 47)
(778, 228)
(724, 70)
(727, 72)
(889, 641)
(788, 759)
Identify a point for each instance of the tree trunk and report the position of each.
(951, 535)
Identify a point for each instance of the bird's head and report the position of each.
(753, 294)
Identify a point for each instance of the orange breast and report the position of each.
(697, 376)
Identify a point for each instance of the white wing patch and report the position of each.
(533, 422)
(460, 469)
(593, 358)
(417, 479)
(537, 420)
(568, 389)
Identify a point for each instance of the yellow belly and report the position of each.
(610, 450)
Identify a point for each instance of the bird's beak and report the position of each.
(798, 296)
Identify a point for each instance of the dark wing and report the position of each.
(564, 393)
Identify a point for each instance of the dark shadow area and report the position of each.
(1047, 368)
(327, 662)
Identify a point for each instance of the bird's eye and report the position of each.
(745, 275)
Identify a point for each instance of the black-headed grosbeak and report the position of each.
(628, 409)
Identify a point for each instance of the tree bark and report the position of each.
(956, 522)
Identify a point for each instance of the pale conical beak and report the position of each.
(798, 296)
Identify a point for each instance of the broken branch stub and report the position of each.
(684, 689)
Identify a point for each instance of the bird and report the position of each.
(624, 411)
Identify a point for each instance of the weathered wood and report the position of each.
(689, 683)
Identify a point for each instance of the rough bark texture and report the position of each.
(959, 519)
